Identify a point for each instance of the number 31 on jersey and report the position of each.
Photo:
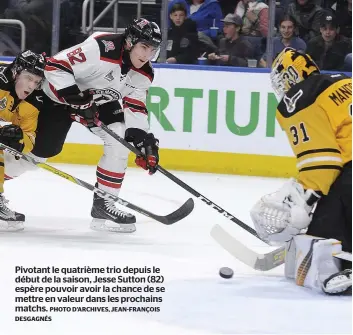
(299, 133)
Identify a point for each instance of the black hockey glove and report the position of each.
(84, 109)
(12, 136)
(149, 147)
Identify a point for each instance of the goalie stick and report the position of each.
(261, 262)
(171, 218)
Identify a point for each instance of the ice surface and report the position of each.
(197, 300)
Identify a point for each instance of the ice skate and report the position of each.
(339, 283)
(9, 219)
(107, 217)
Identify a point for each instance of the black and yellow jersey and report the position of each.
(316, 115)
(23, 113)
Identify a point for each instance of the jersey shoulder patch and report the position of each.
(36, 99)
(110, 46)
(304, 94)
(5, 78)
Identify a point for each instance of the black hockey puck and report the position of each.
(226, 272)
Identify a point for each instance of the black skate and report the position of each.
(339, 283)
(9, 219)
(109, 218)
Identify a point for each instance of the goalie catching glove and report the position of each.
(84, 109)
(281, 215)
(12, 136)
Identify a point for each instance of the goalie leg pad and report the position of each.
(310, 261)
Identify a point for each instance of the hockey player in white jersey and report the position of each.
(89, 80)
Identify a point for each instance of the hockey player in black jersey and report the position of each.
(90, 80)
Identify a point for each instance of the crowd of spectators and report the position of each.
(321, 28)
(213, 32)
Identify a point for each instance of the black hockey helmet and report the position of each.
(29, 61)
(142, 30)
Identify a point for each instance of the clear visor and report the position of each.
(155, 55)
(150, 52)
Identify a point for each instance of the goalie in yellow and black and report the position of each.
(315, 112)
(19, 108)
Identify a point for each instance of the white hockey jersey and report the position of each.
(100, 65)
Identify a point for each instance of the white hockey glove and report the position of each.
(281, 215)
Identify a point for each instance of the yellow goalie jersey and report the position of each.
(316, 115)
(23, 113)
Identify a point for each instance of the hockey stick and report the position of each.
(180, 182)
(171, 218)
(261, 262)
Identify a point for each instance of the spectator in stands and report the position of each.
(330, 49)
(254, 14)
(182, 37)
(234, 49)
(307, 16)
(37, 17)
(206, 14)
(286, 39)
(343, 12)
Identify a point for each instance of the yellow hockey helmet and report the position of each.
(289, 68)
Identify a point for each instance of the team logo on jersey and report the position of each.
(102, 96)
(291, 103)
(109, 45)
(109, 76)
(2, 74)
(3, 103)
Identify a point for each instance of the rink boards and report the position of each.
(208, 119)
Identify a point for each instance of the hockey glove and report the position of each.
(84, 109)
(149, 147)
(12, 136)
(283, 214)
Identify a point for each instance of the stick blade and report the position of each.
(178, 214)
(260, 262)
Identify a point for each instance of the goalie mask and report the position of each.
(289, 68)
